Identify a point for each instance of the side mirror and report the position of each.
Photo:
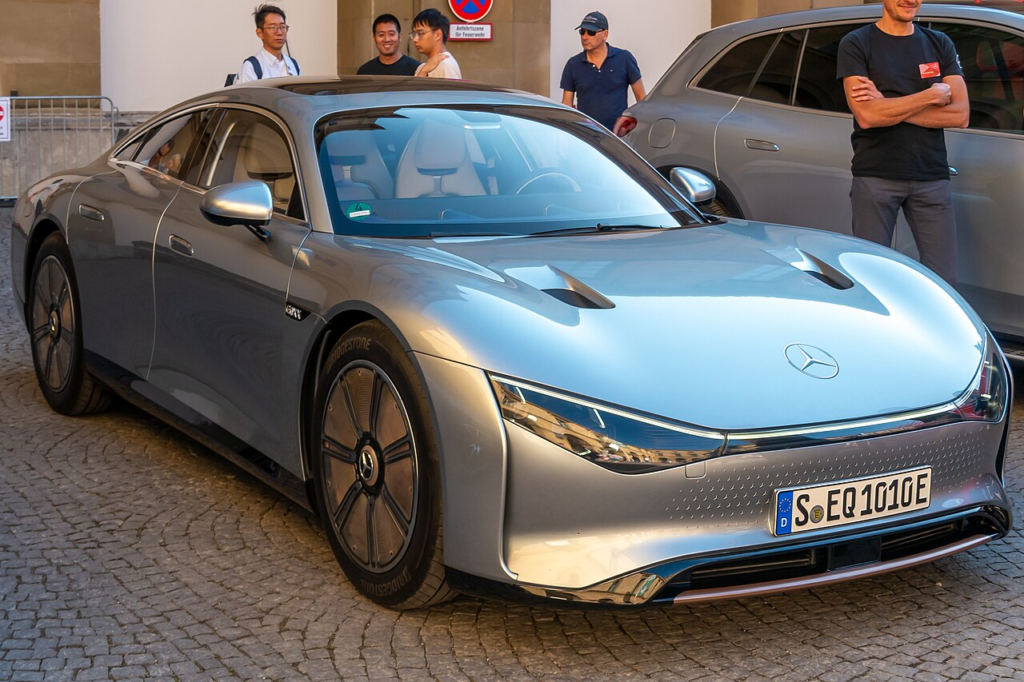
(696, 187)
(246, 203)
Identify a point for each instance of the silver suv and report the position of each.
(756, 107)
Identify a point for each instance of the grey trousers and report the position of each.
(928, 208)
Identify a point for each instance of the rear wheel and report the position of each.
(55, 325)
(377, 471)
(717, 208)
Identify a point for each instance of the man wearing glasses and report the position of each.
(270, 62)
(599, 77)
(430, 36)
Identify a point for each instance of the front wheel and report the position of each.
(55, 323)
(377, 475)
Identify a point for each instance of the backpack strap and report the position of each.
(298, 71)
(256, 67)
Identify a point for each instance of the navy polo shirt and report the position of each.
(601, 93)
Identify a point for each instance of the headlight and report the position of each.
(608, 436)
(986, 399)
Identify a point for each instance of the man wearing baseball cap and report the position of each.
(598, 78)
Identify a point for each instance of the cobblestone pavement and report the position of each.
(129, 551)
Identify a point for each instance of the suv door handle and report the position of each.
(761, 145)
(90, 213)
(180, 245)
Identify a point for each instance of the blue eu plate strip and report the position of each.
(784, 513)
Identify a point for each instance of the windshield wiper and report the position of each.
(595, 229)
(445, 235)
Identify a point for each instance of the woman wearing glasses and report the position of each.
(270, 62)
(598, 78)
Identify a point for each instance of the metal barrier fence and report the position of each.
(50, 134)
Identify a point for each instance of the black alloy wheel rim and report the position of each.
(370, 470)
(53, 324)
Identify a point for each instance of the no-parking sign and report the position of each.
(470, 10)
(5, 119)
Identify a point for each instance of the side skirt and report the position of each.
(146, 397)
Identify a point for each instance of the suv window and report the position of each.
(167, 147)
(818, 87)
(735, 70)
(775, 80)
(993, 64)
(249, 146)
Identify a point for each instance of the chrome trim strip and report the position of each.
(916, 415)
(718, 593)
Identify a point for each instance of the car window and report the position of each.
(167, 147)
(775, 81)
(128, 153)
(735, 70)
(249, 146)
(818, 87)
(993, 64)
(417, 172)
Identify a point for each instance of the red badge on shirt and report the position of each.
(930, 70)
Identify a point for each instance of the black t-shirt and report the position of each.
(899, 66)
(406, 66)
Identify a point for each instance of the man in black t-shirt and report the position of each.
(904, 85)
(387, 34)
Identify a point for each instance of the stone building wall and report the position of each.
(50, 47)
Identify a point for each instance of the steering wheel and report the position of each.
(548, 182)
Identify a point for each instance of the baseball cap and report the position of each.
(594, 21)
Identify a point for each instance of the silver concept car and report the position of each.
(498, 353)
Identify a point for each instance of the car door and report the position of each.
(111, 226)
(989, 159)
(220, 292)
(784, 151)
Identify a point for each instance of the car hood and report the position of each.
(698, 324)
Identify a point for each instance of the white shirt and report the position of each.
(272, 67)
(449, 68)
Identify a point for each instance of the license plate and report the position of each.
(836, 504)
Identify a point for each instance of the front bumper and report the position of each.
(576, 532)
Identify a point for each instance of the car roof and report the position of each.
(303, 99)
(991, 11)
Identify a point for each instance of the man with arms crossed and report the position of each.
(387, 34)
(904, 85)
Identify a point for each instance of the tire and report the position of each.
(376, 471)
(717, 208)
(55, 325)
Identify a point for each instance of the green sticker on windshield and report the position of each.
(358, 211)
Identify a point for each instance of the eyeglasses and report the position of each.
(588, 32)
(276, 28)
(419, 34)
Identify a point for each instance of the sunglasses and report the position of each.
(587, 32)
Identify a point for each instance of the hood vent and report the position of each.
(561, 286)
(815, 267)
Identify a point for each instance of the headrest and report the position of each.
(267, 155)
(440, 148)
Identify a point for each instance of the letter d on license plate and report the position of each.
(836, 504)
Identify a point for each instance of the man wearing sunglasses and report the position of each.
(270, 62)
(598, 78)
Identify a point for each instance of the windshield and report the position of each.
(429, 172)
